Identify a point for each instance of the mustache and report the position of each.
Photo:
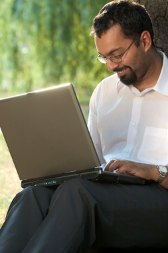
(120, 69)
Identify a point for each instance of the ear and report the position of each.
(146, 40)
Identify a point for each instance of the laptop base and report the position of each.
(95, 175)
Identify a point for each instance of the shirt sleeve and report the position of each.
(93, 127)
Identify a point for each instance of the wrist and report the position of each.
(156, 173)
(162, 173)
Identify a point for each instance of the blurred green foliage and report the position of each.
(47, 42)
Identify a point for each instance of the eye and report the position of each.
(102, 57)
(118, 56)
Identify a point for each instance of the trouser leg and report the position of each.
(26, 212)
(135, 217)
(64, 229)
(69, 226)
(83, 213)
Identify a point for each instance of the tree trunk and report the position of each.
(158, 10)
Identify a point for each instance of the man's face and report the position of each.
(113, 43)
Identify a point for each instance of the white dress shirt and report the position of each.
(127, 124)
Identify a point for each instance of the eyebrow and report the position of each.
(112, 51)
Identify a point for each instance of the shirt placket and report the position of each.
(132, 129)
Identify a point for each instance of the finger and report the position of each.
(106, 168)
(115, 165)
(125, 169)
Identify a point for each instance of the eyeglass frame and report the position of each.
(119, 56)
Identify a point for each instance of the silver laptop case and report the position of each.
(46, 133)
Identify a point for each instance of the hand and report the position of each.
(142, 170)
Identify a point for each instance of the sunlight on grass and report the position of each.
(9, 180)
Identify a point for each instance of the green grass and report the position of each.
(9, 180)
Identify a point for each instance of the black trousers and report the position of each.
(81, 214)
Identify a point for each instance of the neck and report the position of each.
(150, 78)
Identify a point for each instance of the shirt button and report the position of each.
(133, 124)
(127, 150)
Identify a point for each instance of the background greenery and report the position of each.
(47, 42)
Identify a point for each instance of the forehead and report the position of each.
(110, 40)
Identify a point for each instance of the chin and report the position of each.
(128, 81)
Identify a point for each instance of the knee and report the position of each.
(32, 192)
(74, 197)
(33, 196)
(74, 186)
(78, 190)
(28, 191)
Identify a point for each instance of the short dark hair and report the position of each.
(131, 16)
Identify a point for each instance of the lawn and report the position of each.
(9, 180)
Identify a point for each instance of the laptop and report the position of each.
(49, 141)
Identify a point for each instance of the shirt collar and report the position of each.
(119, 85)
(161, 85)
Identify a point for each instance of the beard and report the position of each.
(127, 80)
(132, 79)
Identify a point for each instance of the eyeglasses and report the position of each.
(115, 59)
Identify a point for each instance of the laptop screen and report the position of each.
(46, 133)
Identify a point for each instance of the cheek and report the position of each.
(140, 65)
(130, 61)
(137, 62)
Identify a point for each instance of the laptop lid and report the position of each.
(46, 133)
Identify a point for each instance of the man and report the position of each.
(128, 49)
(128, 122)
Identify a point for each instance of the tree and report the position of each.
(47, 42)
(158, 10)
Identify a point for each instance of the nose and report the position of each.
(111, 65)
